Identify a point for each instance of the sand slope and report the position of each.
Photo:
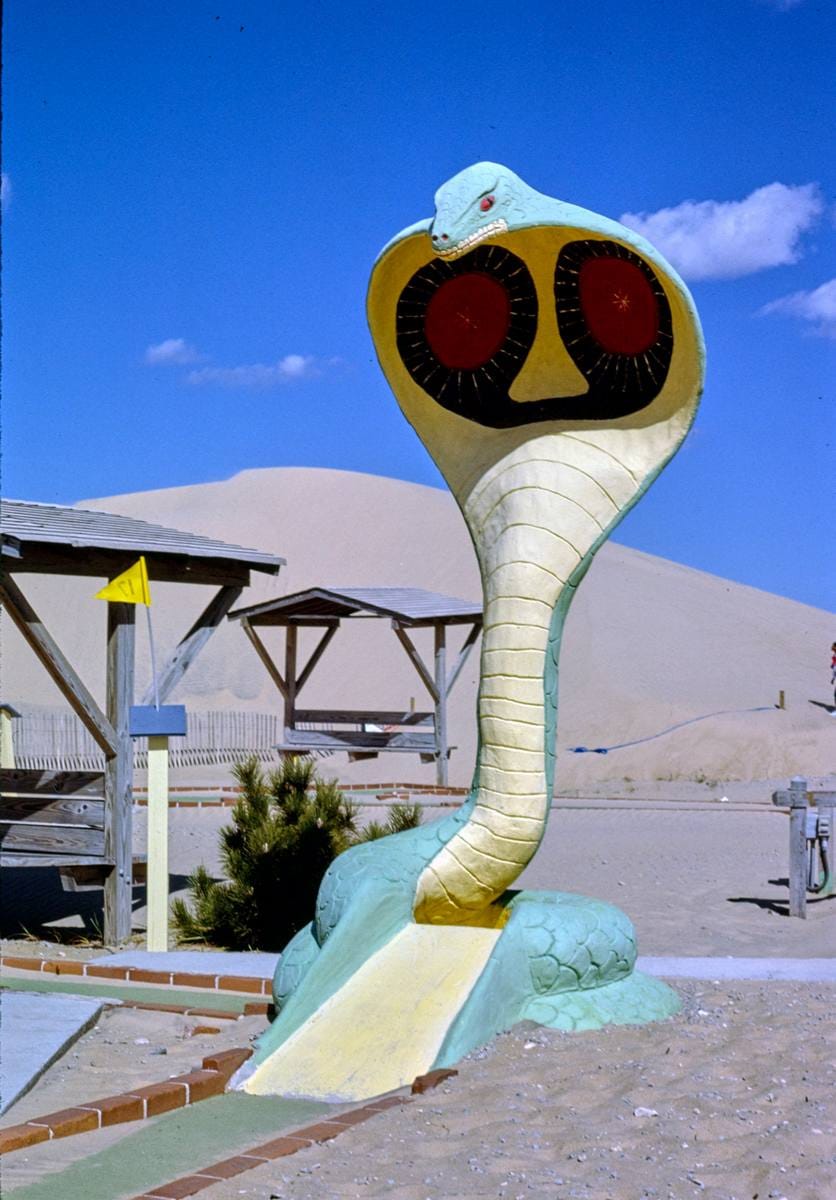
(648, 643)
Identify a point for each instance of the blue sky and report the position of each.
(194, 194)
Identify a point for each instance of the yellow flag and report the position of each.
(131, 587)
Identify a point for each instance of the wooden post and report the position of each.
(157, 886)
(798, 847)
(828, 813)
(290, 677)
(7, 744)
(781, 699)
(118, 845)
(440, 705)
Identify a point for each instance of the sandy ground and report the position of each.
(735, 1099)
(742, 1082)
(696, 878)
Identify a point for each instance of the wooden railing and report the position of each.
(52, 817)
(54, 740)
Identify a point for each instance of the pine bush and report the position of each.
(287, 827)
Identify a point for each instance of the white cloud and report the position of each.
(724, 239)
(258, 375)
(782, 5)
(173, 352)
(817, 307)
(5, 190)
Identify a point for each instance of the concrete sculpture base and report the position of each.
(551, 362)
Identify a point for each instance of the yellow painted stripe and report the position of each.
(386, 1024)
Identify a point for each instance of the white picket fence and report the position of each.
(53, 739)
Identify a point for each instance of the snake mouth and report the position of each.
(492, 229)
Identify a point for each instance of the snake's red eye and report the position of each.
(487, 203)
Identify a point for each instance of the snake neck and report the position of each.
(536, 520)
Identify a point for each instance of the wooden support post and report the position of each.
(316, 656)
(290, 681)
(464, 653)
(118, 845)
(7, 743)
(828, 813)
(157, 885)
(264, 654)
(56, 665)
(440, 705)
(798, 847)
(190, 646)
(416, 660)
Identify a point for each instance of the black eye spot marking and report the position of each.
(615, 321)
(465, 328)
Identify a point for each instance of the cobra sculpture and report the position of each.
(551, 362)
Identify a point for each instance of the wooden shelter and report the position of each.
(84, 821)
(366, 732)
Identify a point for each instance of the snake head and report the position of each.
(563, 324)
(476, 204)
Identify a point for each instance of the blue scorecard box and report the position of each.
(169, 720)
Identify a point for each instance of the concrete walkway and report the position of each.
(35, 1030)
(39, 1024)
(252, 963)
(797, 970)
(259, 965)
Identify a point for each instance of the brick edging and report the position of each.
(284, 1145)
(210, 1079)
(251, 985)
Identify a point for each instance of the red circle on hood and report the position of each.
(467, 320)
(618, 305)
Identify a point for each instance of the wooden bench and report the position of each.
(56, 819)
(358, 738)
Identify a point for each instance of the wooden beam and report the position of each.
(416, 660)
(76, 784)
(467, 646)
(26, 838)
(316, 656)
(290, 645)
(362, 716)
(336, 739)
(264, 654)
(190, 646)
(45, 810)
(8, 859)
(440, 645)
(798, 847)
(57, 666)
(119, 774)
(105, 564)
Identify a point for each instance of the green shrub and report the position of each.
(287, 827)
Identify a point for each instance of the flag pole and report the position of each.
(153, 657)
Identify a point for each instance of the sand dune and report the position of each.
(648, 644)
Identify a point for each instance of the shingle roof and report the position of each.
(411, 605)
(22, 522)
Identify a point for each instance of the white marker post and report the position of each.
(157, 724)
